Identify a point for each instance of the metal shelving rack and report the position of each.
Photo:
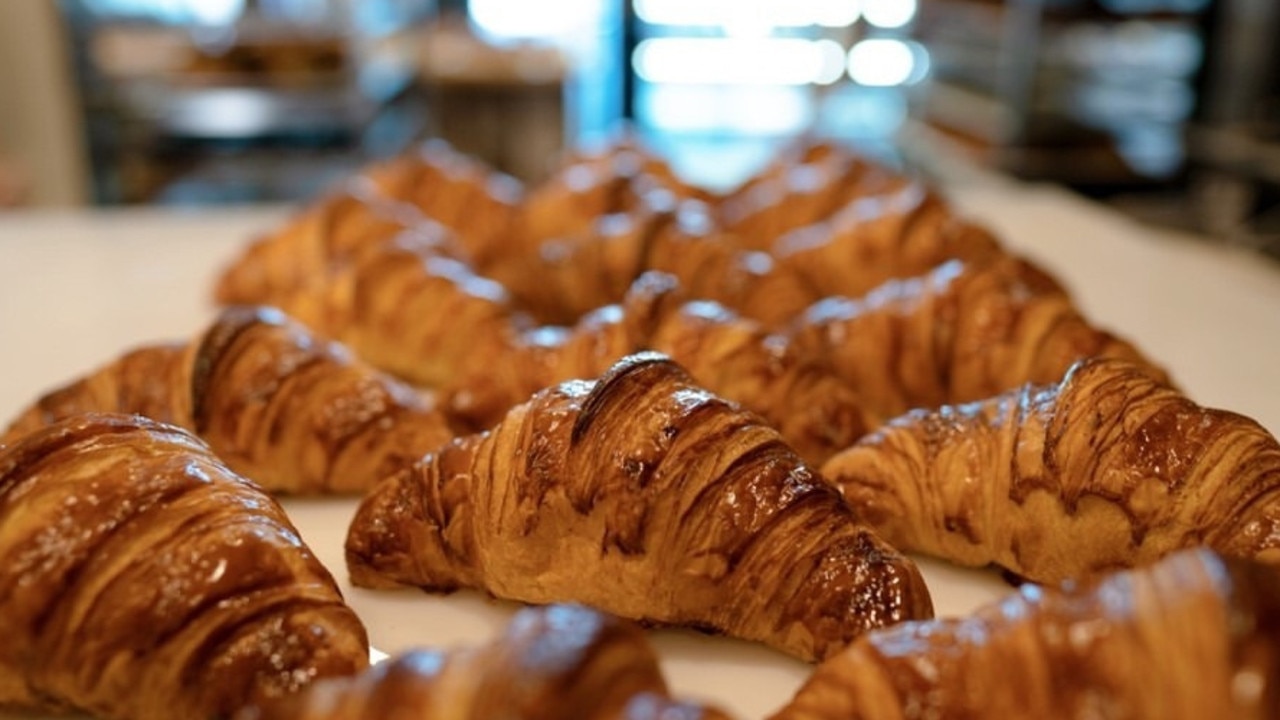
(210, 121)
(1083, 92)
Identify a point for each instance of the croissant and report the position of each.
(962, 332)
(790, 195)
(872, 239)
(140, 578)
(645, 496)
(798, 394)
(400, 309)
(294, 413)
(1193, 637)
(458, 191)
(548, 663)
(1108, 468)
(287, 266)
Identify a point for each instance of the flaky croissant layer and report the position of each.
(644, 495)
(142, 579)
(1192, 637)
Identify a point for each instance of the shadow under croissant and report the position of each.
(1193, 636)
(648, 497)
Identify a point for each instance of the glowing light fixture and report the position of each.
(738, 61)
(889, 14)
(882, 62)
(523, 19)
(737, 13)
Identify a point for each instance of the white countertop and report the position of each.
(78, 288)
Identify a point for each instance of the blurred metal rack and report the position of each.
(272, 104)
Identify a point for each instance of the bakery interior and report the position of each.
(1130, 148)
(1163, 109)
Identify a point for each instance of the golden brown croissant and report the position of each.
(140, 578)
(294, 413)
(1193, 637)
(796, 194)
(419, 315)
(873, 239)
(329, 234)
(456, 190)
(962, 332)
(1108, 468)
(643, 495)
(549, 663)
(798, 394)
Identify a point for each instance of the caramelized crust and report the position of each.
(962, 332)
(472, 200)
(1108, 468)
(327, 234)
(793, 251)
(1192, 637)
(549, 663)
(733, 357)
(140, 578)
(645, 496)
(874, 239)
(800, 191)
(294, 413)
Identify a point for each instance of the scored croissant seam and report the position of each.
(646, 496)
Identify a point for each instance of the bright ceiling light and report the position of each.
(737, 61)
(881, 62)
(889, 14)
(522, 19)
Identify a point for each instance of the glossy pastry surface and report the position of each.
(1193, 636)
(547, 663)
(140, 578)
(646, 496)
(1107, 468)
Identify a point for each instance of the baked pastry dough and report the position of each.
(578, 243)
(961, 332)
(646, 496)
(140, 578)
(294, 413)
(548, 663)
(799, 394)
(1194, 636)
(1108, 468)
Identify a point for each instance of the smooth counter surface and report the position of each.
(79, 288)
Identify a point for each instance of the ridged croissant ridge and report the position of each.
(1107, 468)
(548, 663)
(1193, 636)
(140, 578)
(645, 496)
(295, 413)
(843, 263)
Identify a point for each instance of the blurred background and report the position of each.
(1167, 109)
